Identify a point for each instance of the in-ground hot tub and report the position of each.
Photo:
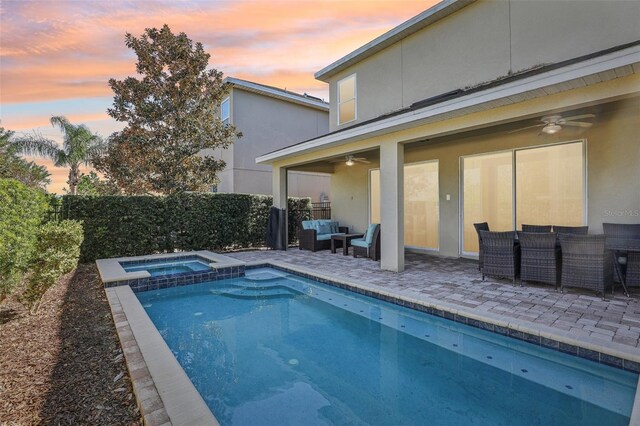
(164, 270)
(161, 267)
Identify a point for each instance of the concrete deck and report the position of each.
(576, 315)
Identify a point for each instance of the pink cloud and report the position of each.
(67, 50)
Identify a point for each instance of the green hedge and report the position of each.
(117, 226)
(22, 210)
(57, 252)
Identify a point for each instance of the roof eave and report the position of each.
(277, 93)
(433, 14)
(621, 58)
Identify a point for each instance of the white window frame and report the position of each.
(228, 119)
(355, 98)
(514, 220)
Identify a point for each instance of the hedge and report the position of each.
(57, 252)
(117, 226)
(22, 210)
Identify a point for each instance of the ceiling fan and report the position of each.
(350, 160)
(552, 124)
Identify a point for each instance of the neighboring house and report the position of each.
(270, 119)
(460, 113)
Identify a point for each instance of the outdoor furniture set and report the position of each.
(563, 255)
(323, 234)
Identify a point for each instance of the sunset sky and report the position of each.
(56, 57)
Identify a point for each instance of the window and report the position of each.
(225, 111)
(347, 110)
(547, 188)
(421, 204)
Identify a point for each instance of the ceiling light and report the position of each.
(551, 128)
(349, 161)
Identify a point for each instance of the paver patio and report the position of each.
(457, 283)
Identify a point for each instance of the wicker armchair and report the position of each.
(621, 235)
(575, 230)
(501, 254)
(540, 258)
(484, 226)
(363, 249)
(586, 263)
(536, 228)
(308, 239)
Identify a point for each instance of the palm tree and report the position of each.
(80, 146)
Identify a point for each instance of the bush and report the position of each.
(57, 253)
(117, 226)
(22, 210)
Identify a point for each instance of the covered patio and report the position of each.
(577, 317)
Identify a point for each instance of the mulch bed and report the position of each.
(64, 365)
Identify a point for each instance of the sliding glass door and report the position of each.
(547, 188)
(550, 185)
(421, 204)
(487, 195)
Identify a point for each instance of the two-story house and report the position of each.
(502, 111)
(270, 119)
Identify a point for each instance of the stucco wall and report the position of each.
(300, 184)
(613, 171)
(268, 124)
(481, 42)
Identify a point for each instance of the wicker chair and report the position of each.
(575, 230)
(484, 226)
(620, 234)
(501, 254)
(536, 228)
(372, 251)
(540, 257)
(586, 263)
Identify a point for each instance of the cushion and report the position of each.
(324, 229)
(335, 228)
(359, 242)
(323, 237)
(370, 232)
(307, 224)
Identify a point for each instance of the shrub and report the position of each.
(22, 210)
(136, 225)
(57, 253)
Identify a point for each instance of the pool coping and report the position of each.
(164, 393)
(111, 271)
(162, 361)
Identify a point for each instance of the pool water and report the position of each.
(276, 349)
(167, 267)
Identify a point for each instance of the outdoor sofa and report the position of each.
(316, 235)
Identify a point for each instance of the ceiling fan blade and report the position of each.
(578, 123)
(579, 117)
(362, 160)
(528, 127)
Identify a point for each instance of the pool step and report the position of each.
(255, 291)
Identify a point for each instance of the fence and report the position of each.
(321, 210)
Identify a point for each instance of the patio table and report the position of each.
(345, 240)
(621, 247)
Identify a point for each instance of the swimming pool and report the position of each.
(159, 267)
(273, 348)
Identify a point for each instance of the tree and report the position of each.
(91, 184)
(171, 116)
(79, 147)
(14, 167)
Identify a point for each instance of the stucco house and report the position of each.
(269, 119)
(502, 111)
